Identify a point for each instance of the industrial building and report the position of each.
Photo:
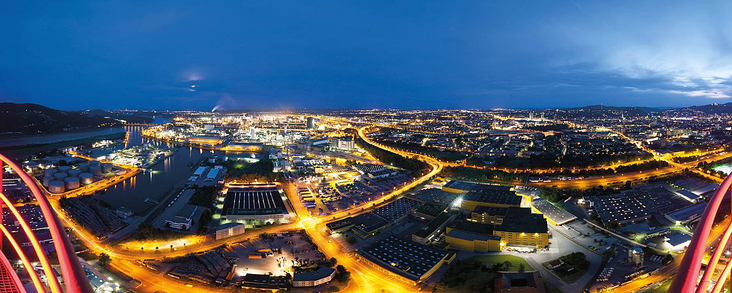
(516, 227)
(433, 228)
(490, 196)
(314, 278)
(205, 140)
(255, 205)
(183, 220)
(552, 213)
(230, 229)
(410, 260)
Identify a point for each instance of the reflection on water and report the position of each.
(158, 180)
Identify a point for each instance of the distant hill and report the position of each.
(119, 116)
(711, 108)
(34, 118)
(628, 110)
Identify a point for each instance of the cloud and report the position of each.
(684, 48)
(701, 93)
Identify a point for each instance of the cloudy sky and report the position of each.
(364, 54)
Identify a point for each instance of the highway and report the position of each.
(366, 277)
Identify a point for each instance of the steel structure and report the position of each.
(74, 277)
(688, 273)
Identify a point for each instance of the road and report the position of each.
(366, 277)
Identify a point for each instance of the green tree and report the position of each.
(104, 259)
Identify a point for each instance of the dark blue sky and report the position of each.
(364, 54)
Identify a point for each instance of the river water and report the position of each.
(156, 181)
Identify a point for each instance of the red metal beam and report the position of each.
(75, 279)
(688, 273)
(26, 263)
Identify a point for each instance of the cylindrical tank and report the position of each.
(71, 182)
(74, 172)
(83, 167)
(106, 167)
(49, 172)
(56, 186)
(46, 180)
(86, 178)
(63, 168)
(96, 170)
(60, 175)
(94, 163)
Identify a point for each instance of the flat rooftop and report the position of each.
(253, 201)
(368, 222)
(554, 213)
(493, 196)
(531, 223)
(403, 257)
(433, 225)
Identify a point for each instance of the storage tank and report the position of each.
(86, 178)
(56, 186)
(63, 168)
(71, 182)
(94, 163)
(49, 172)
(83, 166)
(60, 175)
(74, 172)
(106, 167)
(46, 180)
(95, 170)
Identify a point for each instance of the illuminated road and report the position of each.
(366, 277)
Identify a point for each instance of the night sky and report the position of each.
(364, 54)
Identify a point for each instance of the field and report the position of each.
(477, 273)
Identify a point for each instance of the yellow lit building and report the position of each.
(494, 231)
(205, 140)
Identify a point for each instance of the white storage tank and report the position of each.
(83, 167)
(60, 175)
(56, 186)
(74, 172)
(95, 170)
(63, 168)
(49, 172)
(86, 178)
(106, 167)
(46, 180)
(71, 182)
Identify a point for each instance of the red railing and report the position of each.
(74, 277)
(686, 278)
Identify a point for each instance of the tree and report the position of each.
(667, 259)
(104, 259)
(350, 240)
(342, 275)
(333, 261)
(521, 268)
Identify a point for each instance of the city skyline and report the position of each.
(360, 147)
(234, 55)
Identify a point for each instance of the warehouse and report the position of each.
(407, 259)
(255, 205)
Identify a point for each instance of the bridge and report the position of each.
(73, 276)
(689, 271)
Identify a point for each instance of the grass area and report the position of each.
(476, 274)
